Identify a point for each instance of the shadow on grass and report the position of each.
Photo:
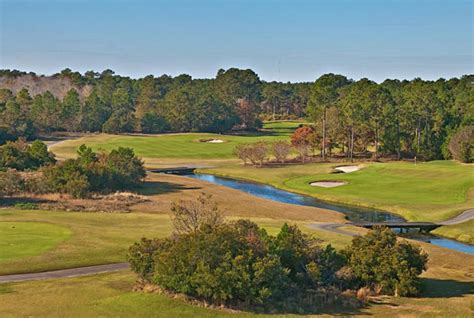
(445, 288)
(8, 202)
(161, 187)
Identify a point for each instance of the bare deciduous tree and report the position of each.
(281, 149)
(258, 153)
(242, 152)
(189, 216)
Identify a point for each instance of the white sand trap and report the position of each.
(212, 141)
(215, 141)
(347, 169)
(327, 184)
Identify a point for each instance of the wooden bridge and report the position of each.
(422, 226)
(175, 170)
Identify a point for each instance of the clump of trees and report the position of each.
(379, 262)
(95, 172)
(238, 264)
(259, 153)
(20, 155)
(255, 153)
(461, 145)
(88, 173)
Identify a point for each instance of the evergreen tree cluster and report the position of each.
(402, 118)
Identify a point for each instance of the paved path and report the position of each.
(63, 273)
(463, 217)
(332, 227)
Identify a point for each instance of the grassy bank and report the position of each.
(463, 232)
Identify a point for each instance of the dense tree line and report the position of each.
(235, 98)
(239, 264)
(402, 118)
(405, 118)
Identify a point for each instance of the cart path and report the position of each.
(64, 273)
(460, 218)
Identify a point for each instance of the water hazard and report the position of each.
(354, 214)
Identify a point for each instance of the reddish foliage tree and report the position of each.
(302, 140)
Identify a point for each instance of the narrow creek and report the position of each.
(354, 214)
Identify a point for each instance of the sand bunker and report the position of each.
(212, 141)
(327, 184)
(215, 141)
(347, 169)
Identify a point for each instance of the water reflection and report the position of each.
(353, 214)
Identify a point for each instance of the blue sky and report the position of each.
(280, 40)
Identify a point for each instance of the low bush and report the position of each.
(26, 206)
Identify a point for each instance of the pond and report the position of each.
(353, 214)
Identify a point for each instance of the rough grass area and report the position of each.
(431, 191)
(22, 239)
(179, 146)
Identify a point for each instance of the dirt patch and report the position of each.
(327, 183)
(120, 202)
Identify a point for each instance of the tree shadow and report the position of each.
(11, 201)
(163, 187)
(445, 288)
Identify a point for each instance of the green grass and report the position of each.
(22, 239)
(431, 191)
(96, 238)
(463, 232)
(180, 146)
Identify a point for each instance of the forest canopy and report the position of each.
(401, 118)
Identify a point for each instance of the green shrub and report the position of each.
(20, 155)
(377, 260)
(26, 206)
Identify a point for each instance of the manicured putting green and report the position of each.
(21, 239)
